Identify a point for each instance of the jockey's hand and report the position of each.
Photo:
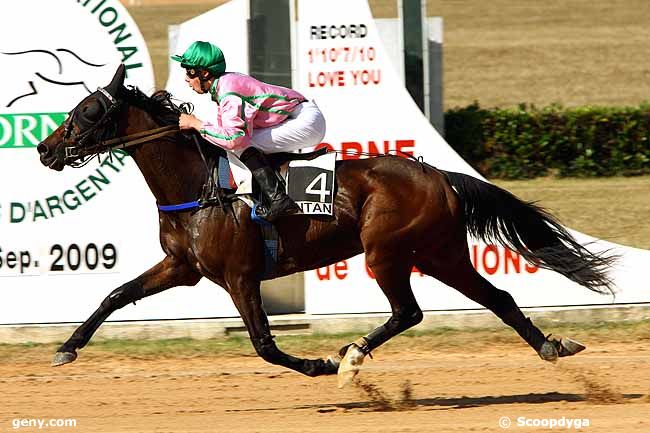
(189, 121)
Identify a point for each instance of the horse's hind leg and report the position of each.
(392, 274)
(462, 276)
(167, 274)
(394, 281)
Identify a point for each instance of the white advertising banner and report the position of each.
(69, 238)
(343, 65)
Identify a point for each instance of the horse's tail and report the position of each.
(495, 215)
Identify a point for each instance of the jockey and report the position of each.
(253, 118)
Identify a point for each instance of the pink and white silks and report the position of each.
(268, 117)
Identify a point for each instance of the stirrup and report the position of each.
(257, 218)
(277, 209)
(285, 206)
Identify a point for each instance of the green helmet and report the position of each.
(203, 55)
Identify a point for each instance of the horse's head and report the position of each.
(90, 122)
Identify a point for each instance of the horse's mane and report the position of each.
(159, 106)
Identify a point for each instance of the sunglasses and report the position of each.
(191, 72)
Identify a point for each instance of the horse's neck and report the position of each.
(173, 170)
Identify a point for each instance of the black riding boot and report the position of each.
(275, 202)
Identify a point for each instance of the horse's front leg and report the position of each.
(245, 293)
(169, 273)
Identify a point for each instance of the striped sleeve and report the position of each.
(234, 132)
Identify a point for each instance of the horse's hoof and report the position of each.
(350, 365)
(569, 347)
(548, 352)
(553, 349)
(61, 358)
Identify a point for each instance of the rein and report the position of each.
(138, 137)
(72, 153)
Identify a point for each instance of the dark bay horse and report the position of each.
(400, 212)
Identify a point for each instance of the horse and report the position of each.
(402, 213)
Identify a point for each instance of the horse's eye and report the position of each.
(92, 111)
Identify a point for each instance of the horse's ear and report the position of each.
(117, 81)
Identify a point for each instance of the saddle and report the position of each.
(222, 176)
(281, 158)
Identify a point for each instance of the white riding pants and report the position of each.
(305, 127)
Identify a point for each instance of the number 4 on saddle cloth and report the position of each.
(310, 183)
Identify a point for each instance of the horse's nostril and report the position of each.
(42, 149)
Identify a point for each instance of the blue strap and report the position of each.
(270, 236)
(258, 219)
(224, 173)
(177, 207)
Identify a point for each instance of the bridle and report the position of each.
(77, 146)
